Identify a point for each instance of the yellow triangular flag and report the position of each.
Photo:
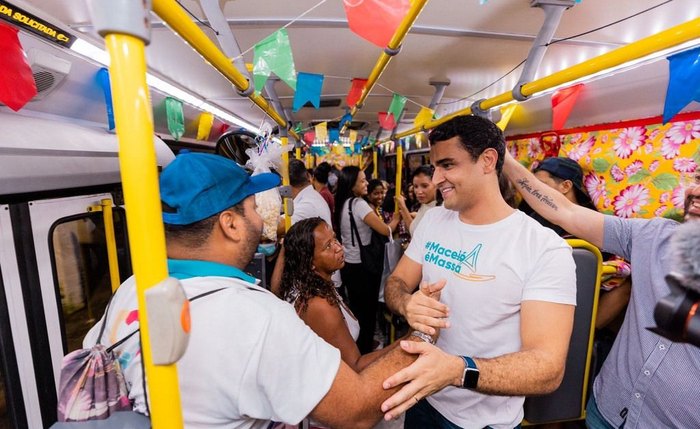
(321, 132)
(424, 116)
(506, 113)
(353, 137)
(206, 120)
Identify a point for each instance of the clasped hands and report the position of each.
(434, 369)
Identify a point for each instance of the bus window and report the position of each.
(81, 270)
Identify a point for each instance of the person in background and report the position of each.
(375, 196)
(243, 335)
(361, 284)
(425, 190)
(320, 182)
(411, 202)
(506, 282)
(647, 380)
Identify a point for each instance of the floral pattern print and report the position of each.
(636, 171)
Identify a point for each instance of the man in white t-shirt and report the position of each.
(308, 202)
(250, 358)
(495, 278)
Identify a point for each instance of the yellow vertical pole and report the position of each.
(375, 169)
(137, 159)
(111, 241)
(297, 154)
(285, 182)
(399, 171)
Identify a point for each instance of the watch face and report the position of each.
(471, 378)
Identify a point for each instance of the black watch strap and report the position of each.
(470, 378)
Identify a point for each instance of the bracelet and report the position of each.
(423, 336)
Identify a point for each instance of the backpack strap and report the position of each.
(353, 226)
(123, 340)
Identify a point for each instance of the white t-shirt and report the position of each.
(360, 209)
(250, 358)
(309, 203)
(419, 215)
(490, 270)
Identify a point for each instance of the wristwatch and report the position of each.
(470, 378)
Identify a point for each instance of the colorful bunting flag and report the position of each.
(333, 135)
(103, 79)
(563, 101)
(355, 91)
(353, 136)
(683, 82)
(17, 84)
(506, 114)
(424, 116)
(224, 128)
(309, 137)
(274, 55)
(376, 20)
(398, 102)
(386, 121)
(206, 120)
(346, 119)
(322, 131)
(176, 117)
(308, 90)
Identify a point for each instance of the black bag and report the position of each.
(372, 254)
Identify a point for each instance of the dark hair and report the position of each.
(299, 281)
(507, 190)
(321, 172)
(346, 180)
(196, 234)
(373, 184)
(298, 176)
(426, 170)
(476, 134)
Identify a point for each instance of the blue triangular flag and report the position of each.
(103, 79)
(333, 135)
(683, 82)
(346, 119)
(308, 89)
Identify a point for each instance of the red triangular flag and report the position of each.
(355, 91)
(309, 137)
(376, 20)
(386, 121)
(17, 84)
(563, 101)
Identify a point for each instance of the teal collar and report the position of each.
(185, 268)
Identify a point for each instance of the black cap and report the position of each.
(568, 169)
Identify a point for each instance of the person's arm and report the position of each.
(353, 400)
(421, 309)
(377, 224)
(405, 213)
(327, 321)
(536, 369)
(276, 279)
(579, 221)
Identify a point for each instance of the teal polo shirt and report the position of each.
(187, 268)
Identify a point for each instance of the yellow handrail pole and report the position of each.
(285, 182)
(297, 154)
(137, 160)
(399, 172)
(394, 44)
(178, 20)
(111, 241)
(666, 39)
(375, 168)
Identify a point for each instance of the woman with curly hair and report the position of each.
(312, 254)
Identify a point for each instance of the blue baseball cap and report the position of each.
(197, 185)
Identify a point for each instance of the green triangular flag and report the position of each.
(176, 117)
(298, 128)
(397, 104)
(274, 55)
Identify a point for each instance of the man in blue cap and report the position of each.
(250, 358)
